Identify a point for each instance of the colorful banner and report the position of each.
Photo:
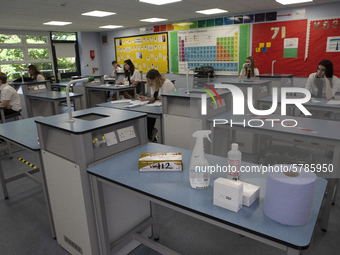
(281, 41)
(323, 42)
(145, 51)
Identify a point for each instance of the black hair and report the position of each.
(130, 72)
(329, 67)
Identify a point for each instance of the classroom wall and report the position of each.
(313, 11)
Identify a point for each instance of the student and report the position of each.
(249, 70)
(115, 69)
(323, 83)
(131, 75)
(9, 96)
(35, 74)
(158, 85)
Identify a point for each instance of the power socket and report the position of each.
(126, 133)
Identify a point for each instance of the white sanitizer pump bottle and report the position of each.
(199, 173)
(234, 162)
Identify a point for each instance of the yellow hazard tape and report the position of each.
(27, 163)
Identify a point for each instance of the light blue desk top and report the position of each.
(29, 82)
(174, 188)
(305, 127)
(60, 84)
(194, 93)
(246, 82)
(322, 102)
(23, 132)
(107, 87)
(147, 109)
(275, 75)
(52, 95)
(105, 117)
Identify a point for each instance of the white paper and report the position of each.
(121, 101)
(334, 101)
(155, 104)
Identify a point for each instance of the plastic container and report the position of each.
(234, 162)
(199, 173)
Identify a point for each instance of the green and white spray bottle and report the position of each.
(199, 173)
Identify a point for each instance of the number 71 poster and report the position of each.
(284, 42)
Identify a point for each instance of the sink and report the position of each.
(91, 116)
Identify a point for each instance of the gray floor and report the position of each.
(25, 228)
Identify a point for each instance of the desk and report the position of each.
(151, 111)
(97, 93)
(311, 130)
(322, 105)
(23, 133)
(278, 80)
(47, 103)
(60, 85)
(172, 190)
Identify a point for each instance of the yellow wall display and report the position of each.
(145, 51)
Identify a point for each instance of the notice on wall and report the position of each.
(145, 51)
(217, 47)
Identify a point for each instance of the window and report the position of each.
(17, 51)
(10, 39)
(62, 36)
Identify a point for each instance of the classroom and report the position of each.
(169, 127)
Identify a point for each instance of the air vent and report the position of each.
(75, 246)
(104, 39)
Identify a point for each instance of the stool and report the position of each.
(14, 115)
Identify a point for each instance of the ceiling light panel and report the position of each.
(110, 26)
(57, 23)
(212, 11)
(286, 2)
(153, 20)
(159, 2)
(98, 13)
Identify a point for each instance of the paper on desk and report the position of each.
(136, 103)
(121, 101)
(105, 85)
(315, 101)
(155, 104)
(334, 101)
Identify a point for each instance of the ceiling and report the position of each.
(31, 14)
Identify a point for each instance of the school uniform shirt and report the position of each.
(134, 77)
(244, 75)
(118, 70)
(311, 85)
(10, 94)
(39, 78)
(166, 88)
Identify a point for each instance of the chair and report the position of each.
(14, 115)
(278, 154)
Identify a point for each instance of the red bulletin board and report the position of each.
(323, 43)
(284, 42)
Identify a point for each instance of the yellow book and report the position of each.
(161, 161)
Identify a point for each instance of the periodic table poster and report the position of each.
(218, 47)
(145, 51)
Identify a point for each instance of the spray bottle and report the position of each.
(234, 162)
(199, 173)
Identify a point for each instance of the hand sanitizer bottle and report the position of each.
(199, 172)
(234, 162)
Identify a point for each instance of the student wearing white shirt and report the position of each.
(115, 69)
(35, 73)
(249, 70)
(159, 85)
(323, 83)
(9, 97)
(131, 76)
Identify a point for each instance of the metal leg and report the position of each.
(3, 182)
(155, 228)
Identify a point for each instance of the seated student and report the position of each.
(158, 85)
(323, 83)
(9, 96)
(116, 69)
(131, 75)
(249, 70)
(35, 73)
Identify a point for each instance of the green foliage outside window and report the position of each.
(10, 39)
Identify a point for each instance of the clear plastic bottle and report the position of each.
(199, 173)
(234, 162)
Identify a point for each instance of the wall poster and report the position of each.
(145, 51)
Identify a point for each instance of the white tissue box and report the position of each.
(250, 193)
(228, 194)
